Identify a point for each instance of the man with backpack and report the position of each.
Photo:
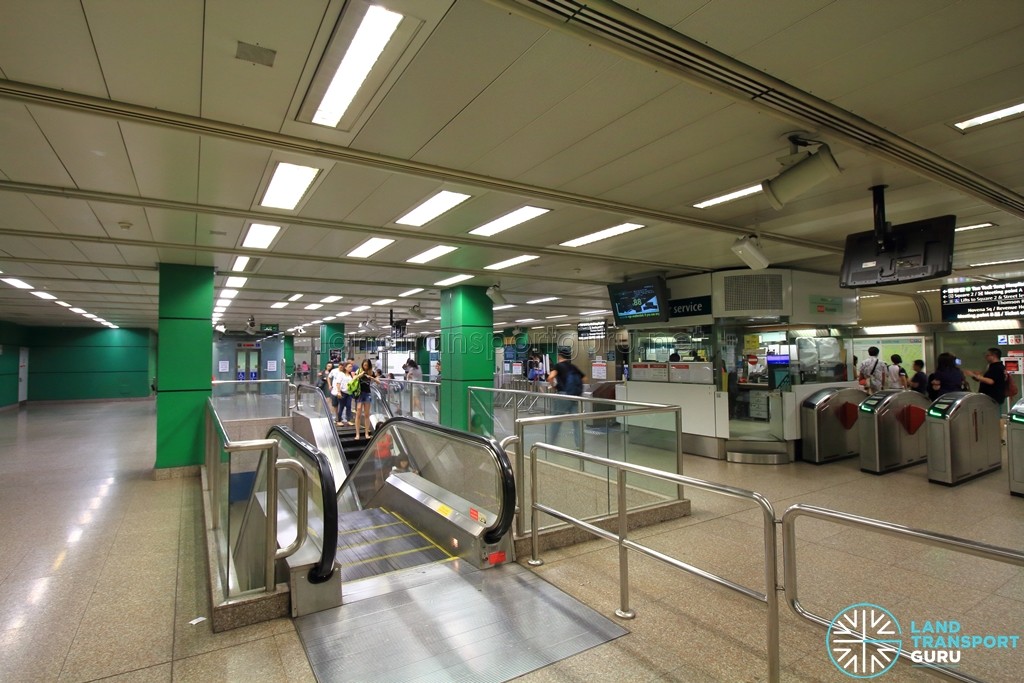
(993, 382)
(567, 380)
(871, 371)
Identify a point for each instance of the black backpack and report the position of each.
(573, 382)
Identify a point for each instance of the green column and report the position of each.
(423, 357)
(467, 351)
(332, 336)
(184, 363)
(289, 355)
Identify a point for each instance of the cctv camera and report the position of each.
(750, 252)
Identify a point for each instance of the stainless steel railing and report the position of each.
(769, 597)
(953, 543)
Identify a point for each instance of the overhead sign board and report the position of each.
(988, 301)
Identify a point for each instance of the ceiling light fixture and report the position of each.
(370, 39)
(329, 299)
(996, 263)
(991, 117)
(543, 301)
(729, 197)
(342, 314)
(431, 254)
(383, 302)
(63, 303)
(44, 295)
(240, 263)
(359, 309)
(503, 307)
(597, 312)
(510, 262)
(288, 185)
(260, 235)
(220, 302)
(14, 282)
(411, 292)
(78, 310)
(228, 293)
(313, 307)
(509, 220)
(279, 304)
(452, 280)
(294, 297)
(602, 234)
(369, 247)
(432, 208)
(965, 228)
(236, 281)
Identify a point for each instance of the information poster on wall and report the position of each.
(909, 349)
(598, 370)
(271, 366)
(223, 366)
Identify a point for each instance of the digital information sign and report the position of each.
(989, 301)
(592, 330)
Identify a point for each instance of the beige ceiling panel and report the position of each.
(138, 256)
(399, 195)
(185, 257)
(219, 231)
(90, 148)
(42, 44)
(25, 153)
(252, 94)
(343, 190)
(469, 49)
(534, 84)
(166, 162)
(177, 227)
(121, 221)
(150, 51)
(230, 172)
(72, 217)
(731, 27)
(99, 253)
(19, 212)
(60, 249)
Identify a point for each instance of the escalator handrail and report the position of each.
(324, 568)
(503, 464)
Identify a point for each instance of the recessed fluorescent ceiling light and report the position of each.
(526, 320)
(964, 228)
(552, 317)
(383, 302)
(63, 303)
(509, 220)
(219, 309)
(926, 291)
(369, 247)
(437, 318)
(602, 235)
(544, 300)
(996, 263)
(738, 194)
(236, 281)
(411, 292)
(510, 262)
(329, 299)
(357, 309)
(313, 307)
(294, 297)
(501, 308)
(260, 235)
(223, 302)
(342, 314)
(990, 117)
(371, 38)
(452, 280)
(869, 296)
(228, 293)
(44, 295)
(432, 208)
(418, 322)
(78, 310)
(564, 325)
(240, 263)
(431, 254)
(329, 318)
(14, 282)
(88, 315)
(593, 312)
(289, 183)
(279, 304)
(891, 329)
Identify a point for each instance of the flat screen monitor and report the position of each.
(916, 251)
(591, 330)
(639, 301)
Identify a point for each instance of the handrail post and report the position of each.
(520, 472)
(302, 510)
(271, 531)
(534, 561)
(624, 612)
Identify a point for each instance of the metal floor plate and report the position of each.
(481, 626)
(373, 541)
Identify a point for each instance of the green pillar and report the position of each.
(184, 363)
(423, 357)
(467, 351)
(289, 355)
(332, 336)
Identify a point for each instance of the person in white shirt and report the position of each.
(335, 381)
(871, 371)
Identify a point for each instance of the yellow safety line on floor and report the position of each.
(378, 540)
(449, 555)
(398, 554)
(367, 528)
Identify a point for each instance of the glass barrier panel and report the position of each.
(250, 400)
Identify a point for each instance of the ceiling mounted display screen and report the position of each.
(639, 301)
(904, 253)
(595, 329)
(988, 301)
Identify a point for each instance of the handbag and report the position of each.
(353, 386)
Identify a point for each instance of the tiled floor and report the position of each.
(101, 568)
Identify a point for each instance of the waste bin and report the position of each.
(890, 430)
(827, 424)
(963, 437)
(1015, 448)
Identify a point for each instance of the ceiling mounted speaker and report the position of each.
(750, 252)
(416, 311)
(800, 177)
(494, 294)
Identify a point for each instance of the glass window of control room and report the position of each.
(666, 345)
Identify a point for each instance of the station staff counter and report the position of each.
(963, 437)
(891, 436)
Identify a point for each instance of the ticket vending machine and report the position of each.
(1015, 448)
(891, 434)
(828, 424)
(963, 437)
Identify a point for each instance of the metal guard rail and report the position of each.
(954, 543)
(503, 521)
(324, 568)
(770, 597)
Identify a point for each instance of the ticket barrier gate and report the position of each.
(828, 421)
(1015, 448)
(963, 437)
(890, 430)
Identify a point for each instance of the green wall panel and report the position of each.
(88, 363)
(185, 355)
(180, 428)
(186, 291)
(79, 386)
(12, 338)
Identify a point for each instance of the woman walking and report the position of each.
(366, 376)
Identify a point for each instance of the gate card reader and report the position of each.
(1015, 448)
(964, 440)
(890, 430)
(828, 429)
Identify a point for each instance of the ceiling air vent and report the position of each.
(255, 54)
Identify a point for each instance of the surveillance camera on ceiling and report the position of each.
(749, 251)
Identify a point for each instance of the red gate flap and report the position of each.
(912, 418)
(847, 414)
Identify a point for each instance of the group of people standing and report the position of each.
(875, 375)
(347, 386)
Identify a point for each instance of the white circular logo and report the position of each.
(864, 640)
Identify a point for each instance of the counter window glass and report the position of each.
(683, 355)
